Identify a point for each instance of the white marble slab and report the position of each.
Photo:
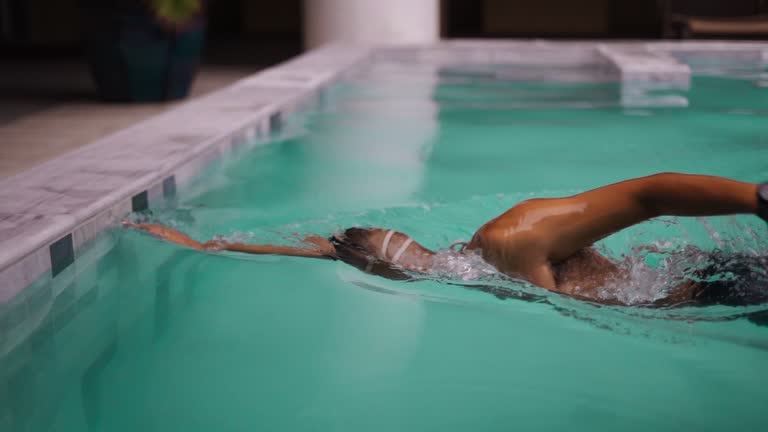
(638, 63)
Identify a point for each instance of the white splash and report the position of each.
(467, 265)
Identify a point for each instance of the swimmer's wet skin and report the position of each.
(546, 242)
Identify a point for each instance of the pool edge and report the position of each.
(51, 211)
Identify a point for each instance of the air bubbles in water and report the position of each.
(653, 272)
(649, 272)
(466, 266)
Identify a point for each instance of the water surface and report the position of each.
(143, 335)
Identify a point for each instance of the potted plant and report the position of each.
(144, 50)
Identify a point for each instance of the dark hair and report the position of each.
(354, 248)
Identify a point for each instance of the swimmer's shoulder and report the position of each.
(517, 227)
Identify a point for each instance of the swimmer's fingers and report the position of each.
(129, 224)
(154, 229)
(165, 233)
(151, 228)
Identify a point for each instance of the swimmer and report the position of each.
(544, 241)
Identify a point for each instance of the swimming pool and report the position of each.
(139, 334)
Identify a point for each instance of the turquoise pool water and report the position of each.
(143, 335)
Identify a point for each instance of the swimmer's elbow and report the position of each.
(649, 197)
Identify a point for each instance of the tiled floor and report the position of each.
(49, 107)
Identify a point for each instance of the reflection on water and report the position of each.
(59, 337)
(151, 336)
(67, 342)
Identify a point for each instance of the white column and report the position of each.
(370, 21)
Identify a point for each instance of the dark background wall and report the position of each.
(552, 18)
(601, 19)
(55, 24)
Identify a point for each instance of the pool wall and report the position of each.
(50, 214)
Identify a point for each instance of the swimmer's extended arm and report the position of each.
(165, 233)
(566, 225)
(322, 249)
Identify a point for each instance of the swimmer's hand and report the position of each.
(321, 244)
(214, 245)
(165, 233)
(320, 247)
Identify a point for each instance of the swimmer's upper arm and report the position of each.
(521, 254)
(541, 275)
(600, 212)
(596, 214)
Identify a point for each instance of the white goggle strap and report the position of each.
(385, 245)
(402, 250)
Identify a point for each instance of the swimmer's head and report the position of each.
(384, 252)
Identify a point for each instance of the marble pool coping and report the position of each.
(52, 212)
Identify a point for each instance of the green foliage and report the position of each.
(176, 13)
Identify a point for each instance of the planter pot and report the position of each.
(134, 58)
